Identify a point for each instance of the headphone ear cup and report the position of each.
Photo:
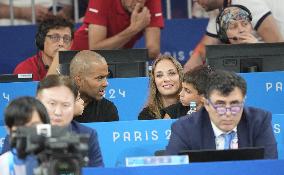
(223, 36)
(39, 40)
(220, 33)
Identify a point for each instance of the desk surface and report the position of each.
(260, 167)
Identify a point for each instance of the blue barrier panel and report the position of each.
(131, 138)
(278, 126)
(130, 94)
(265, 90)
(18, 42)
(9, 91)
(257, 167)
(179, 37)
(142, 138)
(3, 133)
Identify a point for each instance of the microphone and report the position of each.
(234, 38)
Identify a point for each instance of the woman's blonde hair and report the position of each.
(155, 100)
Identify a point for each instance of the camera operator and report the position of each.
(58, 94)
(23, 111)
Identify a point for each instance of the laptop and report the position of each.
(224, 155)
(7, 78)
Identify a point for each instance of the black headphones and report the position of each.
(40, 37)
(222, 35)
(39, 41)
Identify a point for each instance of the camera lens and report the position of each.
(66, 167)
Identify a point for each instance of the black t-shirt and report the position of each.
(176, 110)
(99, 111)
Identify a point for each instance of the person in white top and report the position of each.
(267, 20)
(23, 10)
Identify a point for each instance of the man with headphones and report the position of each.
(233, 25)
(267, 20)
(54, 34)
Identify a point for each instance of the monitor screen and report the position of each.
(243, 58)
(224, 155)
(7, 78)
(121, 62)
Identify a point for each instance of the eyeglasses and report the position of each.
(56, 38)
(221, 109)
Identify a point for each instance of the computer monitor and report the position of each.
(121, 62)
(224, 155)
(242, 58)
(7, 78)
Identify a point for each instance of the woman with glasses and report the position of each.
(224, 122)
(54, 34)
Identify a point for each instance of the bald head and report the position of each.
(83, 61)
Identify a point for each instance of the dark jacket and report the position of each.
(196, 133)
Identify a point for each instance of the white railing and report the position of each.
(76, 10)
(169, 9)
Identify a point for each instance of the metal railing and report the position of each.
(76, 10)
(169, 9)
(33, 17)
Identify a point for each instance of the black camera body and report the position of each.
(59, 152)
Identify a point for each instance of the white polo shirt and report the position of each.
(259, 9)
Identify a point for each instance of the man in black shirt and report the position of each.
(89, 70)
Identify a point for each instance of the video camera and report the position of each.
(59, 152)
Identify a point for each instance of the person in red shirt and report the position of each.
(54, 34)
(115, 24)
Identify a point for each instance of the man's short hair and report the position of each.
(81, 62)
(225, 82)
(55, 81)
(53, 22)
(20, 111)
(198, 77)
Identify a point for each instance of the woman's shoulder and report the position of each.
(146, 114)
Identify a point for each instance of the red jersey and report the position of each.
(32, 65)
(112, 15)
